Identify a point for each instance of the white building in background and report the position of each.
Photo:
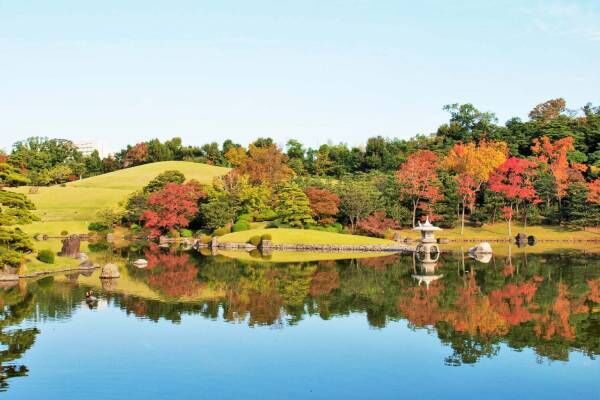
(87, 147)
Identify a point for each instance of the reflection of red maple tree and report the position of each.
(513, 302)
(173, 274)
(594, 293)
(555, 320)
(420, 304)
(323, 282)
(474, 314)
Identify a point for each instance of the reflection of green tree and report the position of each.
(17, 341)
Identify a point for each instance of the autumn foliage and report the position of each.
(377, 224)
(324, 204)
(173, 207)
(265, 164)
(418, 179)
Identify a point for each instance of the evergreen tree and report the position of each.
(15, 208)
(293, 206)
(574, 210)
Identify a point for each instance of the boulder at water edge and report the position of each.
(481, 248)
(140, 263)
(110, 271)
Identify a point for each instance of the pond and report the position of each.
(193, 326)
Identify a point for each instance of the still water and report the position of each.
(192, 326)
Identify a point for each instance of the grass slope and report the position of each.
(302, 236)
(73, 206)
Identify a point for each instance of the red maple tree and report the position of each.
(324, 204)
(418, 179)
(514, 180)
(172, 207)
(377, 224)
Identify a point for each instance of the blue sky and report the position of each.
(339, 71)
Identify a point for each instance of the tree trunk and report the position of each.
(462, 220)
(414, 213)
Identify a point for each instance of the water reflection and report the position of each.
(548, 303)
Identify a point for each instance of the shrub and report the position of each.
(98, 246)
(244, 217)
(46, 256)
(272, 225)
(64, 233)
(254, 240)
(98, 227)
(266, 215)
(173, 234)
(205, 239)
(186, 233)
(266, 236)
(222, 231)
(135, 228)
(241, 226)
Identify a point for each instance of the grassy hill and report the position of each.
(73, 206)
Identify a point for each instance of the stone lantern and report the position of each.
(428, 242)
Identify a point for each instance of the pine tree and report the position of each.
(293, 206)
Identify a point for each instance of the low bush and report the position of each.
(222, 231)
(46, 256)
(241, 226)
(254, 240)
(244, 217)
(205, 239)
(64, 233)
(266, 215)
(97, 247)
(98, 227)
(173, 234)
(135, 228)
(266, 236)
(186, 233)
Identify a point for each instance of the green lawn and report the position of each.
(73, 206)
(500, 231)
(302, 236)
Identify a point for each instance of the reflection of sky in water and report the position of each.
(110, 355)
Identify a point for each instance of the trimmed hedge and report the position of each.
(241, 226)
(222, 231)
(186, 233)
(254, 240)
(266, 236)
(46, 256)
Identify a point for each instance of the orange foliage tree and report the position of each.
(473, 164)
(554, 157)
(265, 164)
(324, 204)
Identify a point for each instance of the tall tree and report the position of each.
(293, 206)
(418, 180)
(324, 204)
(359, 198)
(172, 207)
(265, 164)
(554, 156)
(514, 180)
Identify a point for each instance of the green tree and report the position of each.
(162, 179)
(219, 210)
(359, 198)
(575, 210)
(15, 209)
(293, 206)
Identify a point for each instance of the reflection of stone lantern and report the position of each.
(428, 253)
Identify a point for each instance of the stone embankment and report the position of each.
(267, 245)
